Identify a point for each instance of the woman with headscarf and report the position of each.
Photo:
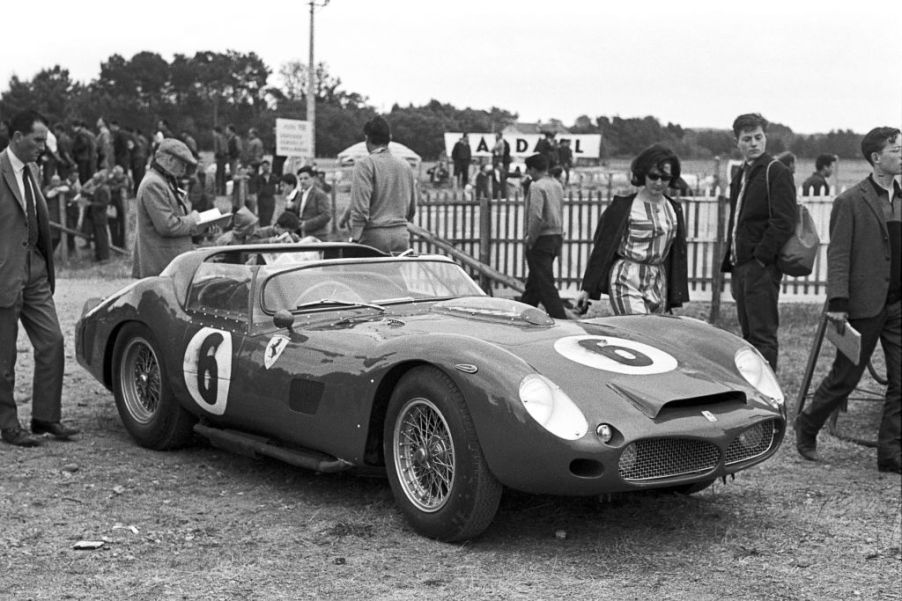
(639, 258)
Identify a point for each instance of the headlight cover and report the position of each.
(552, 408)
(758, 373)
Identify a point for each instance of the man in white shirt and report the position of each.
(26, 287)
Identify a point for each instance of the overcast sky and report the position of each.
(814, 66)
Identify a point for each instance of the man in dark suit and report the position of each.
(26, 286)
(863, 287)
(311, 205)
(461, 157)
(762, 218)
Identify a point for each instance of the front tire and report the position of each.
(435, 466)
(147, 407)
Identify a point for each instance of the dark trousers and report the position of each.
(266, 206)
(462, 172)
(844, 377)
(220, 176)
(756, 290)
(72, 224)
(540, 287)
(138, 171)
(35, 309)
(95, 223)
(84, 171)
(117, 224)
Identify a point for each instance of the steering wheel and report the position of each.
(328, 290)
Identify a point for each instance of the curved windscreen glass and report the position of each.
(373, 282)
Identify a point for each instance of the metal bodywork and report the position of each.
(323, 383)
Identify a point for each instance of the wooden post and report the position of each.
(64, 237)
(334, 199)
(717, 276)
(485, 241)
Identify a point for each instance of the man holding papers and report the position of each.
(863, 288)
(166, 221)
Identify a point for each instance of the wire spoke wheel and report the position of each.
(144, 399)
(434, 462)
(139, 375)
(424, 454)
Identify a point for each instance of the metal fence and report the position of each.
(459, 218)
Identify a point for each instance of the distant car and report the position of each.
(334, 357)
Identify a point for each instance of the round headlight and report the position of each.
(758, 373)
(552, 408)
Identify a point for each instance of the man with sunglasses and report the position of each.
(762, 218)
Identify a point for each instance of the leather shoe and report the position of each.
(894, 468)
(18, 436)
(58, 430)
(806, 444)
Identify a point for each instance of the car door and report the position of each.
(218, 304)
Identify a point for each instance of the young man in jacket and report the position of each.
(762, 218)
(863, 289)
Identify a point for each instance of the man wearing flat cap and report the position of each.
(166, 221)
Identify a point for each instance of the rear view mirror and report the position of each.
(283, 319)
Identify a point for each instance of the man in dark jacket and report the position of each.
(762, 218)
(461, 157)
(817, 184)
(864, 268)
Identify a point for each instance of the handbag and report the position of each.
(797, 256)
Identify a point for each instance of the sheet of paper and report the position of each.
(212, 216)
(848, 343)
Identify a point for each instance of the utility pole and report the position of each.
(311, 84)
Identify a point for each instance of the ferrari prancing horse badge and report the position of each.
(274, 350)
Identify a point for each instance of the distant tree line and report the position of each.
(194, 93)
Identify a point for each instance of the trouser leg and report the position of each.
(842, 378)
(540, 286)
(41, 323)
(9, 331)
(756, 290)
(889, 437)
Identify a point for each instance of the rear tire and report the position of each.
(144, 399)
(435, 465)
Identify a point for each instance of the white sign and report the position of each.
(293, 138)
(522, 145)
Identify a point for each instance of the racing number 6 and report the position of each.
(208, 369)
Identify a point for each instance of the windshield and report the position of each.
(365, 283)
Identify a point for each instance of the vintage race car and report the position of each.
(334, 356)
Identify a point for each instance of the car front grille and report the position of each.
(752, 442)
(655, 458)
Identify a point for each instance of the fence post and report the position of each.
(485, 241)
(64, 237)
(717, 275)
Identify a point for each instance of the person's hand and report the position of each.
(194, 217)
(838, 319)
(582, 302)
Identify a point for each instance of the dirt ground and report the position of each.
(204, 524)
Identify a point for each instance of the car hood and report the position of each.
(651, 361)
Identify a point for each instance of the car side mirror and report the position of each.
(283, 319)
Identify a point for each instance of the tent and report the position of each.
(350, 154)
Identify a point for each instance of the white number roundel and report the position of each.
(208, 369)
(617, 355)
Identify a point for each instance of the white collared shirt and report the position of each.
(18, 170)
(305, 194)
